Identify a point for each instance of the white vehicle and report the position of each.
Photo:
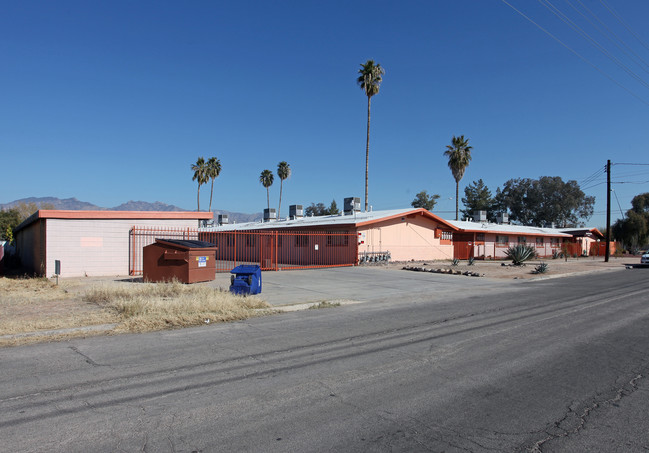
(645, 258)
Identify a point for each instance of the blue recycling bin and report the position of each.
(245, 279)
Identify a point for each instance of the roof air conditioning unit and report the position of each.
(502, 217)
(223, 219)
(295, 211)
(352, 204)
(480, 216)
(270, 214)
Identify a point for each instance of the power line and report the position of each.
(618, 204)
(565, 19)
(584, 59)
(629, 51)
(617, 16)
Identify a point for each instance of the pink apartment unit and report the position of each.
(89, 243)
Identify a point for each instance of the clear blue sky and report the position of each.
(113, 101)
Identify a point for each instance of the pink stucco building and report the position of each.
(89, 243)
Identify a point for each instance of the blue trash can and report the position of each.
(245, 279)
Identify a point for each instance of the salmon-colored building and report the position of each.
(403, 234)
(89, 243)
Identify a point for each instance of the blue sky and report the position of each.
(113, 101)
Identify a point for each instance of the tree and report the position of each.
(459, 156)
(212, 171)
(284, 172)
(199, 169)
(633, 229)
(316, 210)
(369, 79)
(477, 197)
(9, 220)
(423, 200)
(333, 208)
(546, 200)
(266, 179)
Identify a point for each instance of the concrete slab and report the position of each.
(362, 284)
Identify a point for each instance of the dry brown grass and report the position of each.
(34, 306)
(155, 306)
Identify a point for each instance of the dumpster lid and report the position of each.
(245, 269)
(186, 243)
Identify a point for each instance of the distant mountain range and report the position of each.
(76, 205)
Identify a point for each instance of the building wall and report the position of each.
(30, 247)
(407, 239)
(490, 249)
(97, 247)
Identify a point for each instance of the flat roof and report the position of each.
(497, 228)
(114, 215)
(357, 219)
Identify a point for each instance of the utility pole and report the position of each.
(608, 211)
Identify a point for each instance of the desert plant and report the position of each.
(556, 254)
(471, 261)
(520, 253)
(541, 268)
(455, 262)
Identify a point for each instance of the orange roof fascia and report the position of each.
(134, 215)
(421, 211)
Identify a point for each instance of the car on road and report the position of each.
(645, 258)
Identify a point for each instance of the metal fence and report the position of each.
(271, 250)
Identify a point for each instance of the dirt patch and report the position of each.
(33, 310)
(503, 269)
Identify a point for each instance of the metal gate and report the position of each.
(271, 250)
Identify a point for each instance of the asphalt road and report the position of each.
(553, 365)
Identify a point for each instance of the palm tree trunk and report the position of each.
(198, 199)
(211, 193)
(279, 207)
(367, 152)
(457, 201)
(268, 198)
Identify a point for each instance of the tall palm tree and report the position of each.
(369, 79)
(459, 156)
(266, 179)
(212, 171)
(199, 169)
(283, 171)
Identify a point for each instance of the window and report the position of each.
(447, 236)
(555, 242)
(301, 240)
(539, 242)
(502, 240)
(251, 240)
(479, 237)
(522, 240)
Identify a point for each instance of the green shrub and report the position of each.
(541, 268)
(520, 253)
(455, 262)
(471, 261)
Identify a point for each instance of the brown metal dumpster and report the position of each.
(184, 260)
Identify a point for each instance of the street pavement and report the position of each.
(453, 364)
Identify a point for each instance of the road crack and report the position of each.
(623, 391)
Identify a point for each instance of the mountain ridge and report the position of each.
(74, 204)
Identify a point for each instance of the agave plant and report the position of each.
(455, 262)
(520, 253)
(541, 268)
(471, 261)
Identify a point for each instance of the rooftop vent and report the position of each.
(295, 211)
(270, 214)
(352, 204)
